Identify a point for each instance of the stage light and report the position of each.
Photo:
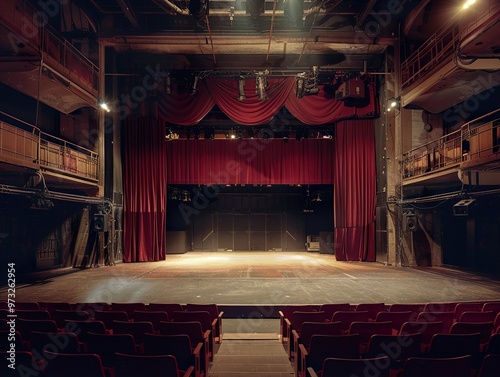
(241, 89)
(167, 84)
(194, 88)
(261, 84)
(103, 105)
(299, 85)
(468, 3)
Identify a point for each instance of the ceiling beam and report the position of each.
(129, 13)
(365, 12)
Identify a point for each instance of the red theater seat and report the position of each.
(337, 367)
(437, 367)
(74, 365)
(151, 366)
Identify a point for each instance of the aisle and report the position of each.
(251, 348)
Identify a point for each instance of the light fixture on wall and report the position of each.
(393, 104)
(241, 89)
(103, 105)
(299, 85)
(167, 84)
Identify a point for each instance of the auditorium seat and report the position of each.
(439, 307)
(60, 316)
(329, 309)
(5, 341)
(414, 308)
(287, 311)
(437, 367)
(397, 318)
(26, 305)
(446, 317)
(149, 365)
(52, 306)
(467, 307)
(426, 330)
(484, 328)
(168, 308)
(178, 346)
(322, 347)
(307, 331)
(128, 307)
(491, 307)
(154, 317)
(26, 326)
(493, 346)
(26, 364)
(64, 342)
(105, 345)
(496, 323)
(91, 307)
(347, 317)
(136, 329)
(82, 328)
(74, 365)
(372, 308)
(33, 314)
(215, 317)
(366, 329)
(107, 317)
(490, 366)
(477, 317)
(339, 367)
(204, 319)
(196, 336)
(455, 345)
(295, 323)
(398, 348)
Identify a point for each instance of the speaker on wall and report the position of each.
(410, 223)
(100, 223)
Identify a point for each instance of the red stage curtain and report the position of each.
(145, 188)
(258, 161)
(354, 191)
(179, 107)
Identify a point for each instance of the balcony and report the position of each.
(38, 62)
(469, 156)
(24, 150)
(445, 70)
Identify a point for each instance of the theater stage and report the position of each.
(255, 279)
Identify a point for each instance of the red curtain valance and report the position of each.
(179, 107)
(258, 161)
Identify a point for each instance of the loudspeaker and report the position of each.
(410, 223)
(463, 207)
(100, 223)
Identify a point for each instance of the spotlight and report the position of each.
(468, 3)
(261, 85)
(299, 85)
(194, 88)
(241, 89)
(103, 105)
(167, 84)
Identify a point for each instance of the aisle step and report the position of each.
(251, 357)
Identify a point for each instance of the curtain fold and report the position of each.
(145, 188)
(354, 191)
(258, 161)
(179, 107)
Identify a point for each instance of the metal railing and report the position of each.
(65, 58)
(438, 48)
(439, 154)
(27, 145)
(474, 143)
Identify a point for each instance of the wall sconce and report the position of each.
(241, 89)
(393, 104)
(103, 105)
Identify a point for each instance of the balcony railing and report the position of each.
(473, 144)
(57, 51)
(438, 48)
(28, 146)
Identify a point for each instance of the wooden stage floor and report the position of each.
(255, 278)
